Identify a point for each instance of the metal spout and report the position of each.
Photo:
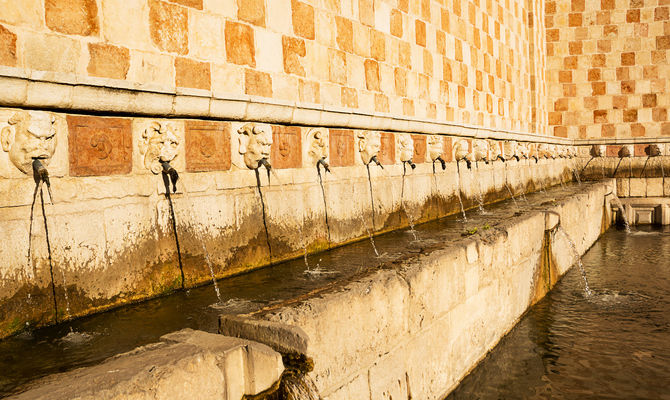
(501, 158)
(169, 175)
(265, 163)
(535, 158)
(516, 157)
(40, 174)
(441, 160)
(322, 162)
(376, 161)
(411, 164)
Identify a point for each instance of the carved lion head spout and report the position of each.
(405, 147)
(255, 143)
(369, 145)
(480, 148)
(494, 151)
(30, 135)
(435, 147)
(159, 143)
(318, 145)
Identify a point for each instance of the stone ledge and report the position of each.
(187, 364)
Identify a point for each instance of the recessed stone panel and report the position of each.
(613, 150)
(286, 147)
(207, 146)
(448, 155)
(341, 148)
(99, 146)
(419, 148)
(386, 154)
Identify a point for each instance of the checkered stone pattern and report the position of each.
(608, 67)
(479, 62)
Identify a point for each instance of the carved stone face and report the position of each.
(30, 135)
(405, 147)
(523, 150)
(461, 150)
(255, 143)
(494, 149)
(369, 144)
(510, 149)
(159, 143)
(435, 147)
(481, 150)
(597, 150)
(318, 144)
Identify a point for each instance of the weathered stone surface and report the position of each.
(257, 83)
(303, 19)
(124, 22)
(169, 26)
(341, 147)
(252, 11)
(186, 364)
(72, 17)
(108, 61)
(192, 74)
(99, 146)
(240, 47)
(387, 152)
(287, 147)
(419, 148)
(293, 52)
(51, 53)
(197, 4)
(207, 146)
(7, 47)
(29, 12)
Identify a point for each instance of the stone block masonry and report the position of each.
(608, 68)
(110, 226)
(479, 63)
(414, 329)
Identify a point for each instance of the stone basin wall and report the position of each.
(413, 330)
(110, 228)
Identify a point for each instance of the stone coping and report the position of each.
(76, 93)
(63, 91)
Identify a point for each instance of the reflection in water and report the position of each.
(611, 345)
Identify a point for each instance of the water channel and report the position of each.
(613, 345)
(87, 341)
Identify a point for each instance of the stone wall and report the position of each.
(110, 227)
(413, 330)
(437, 60)
(608, 68)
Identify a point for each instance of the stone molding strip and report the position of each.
(59, 91)
(64, 91)
(620, 141)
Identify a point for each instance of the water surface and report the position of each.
(613, 345)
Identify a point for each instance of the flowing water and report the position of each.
(404, 207)
(458, 193)
(199, 237)
(478, 195)
(621, 208)
(612, 345)
(587, 290)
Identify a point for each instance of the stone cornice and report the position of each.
(74, 93)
